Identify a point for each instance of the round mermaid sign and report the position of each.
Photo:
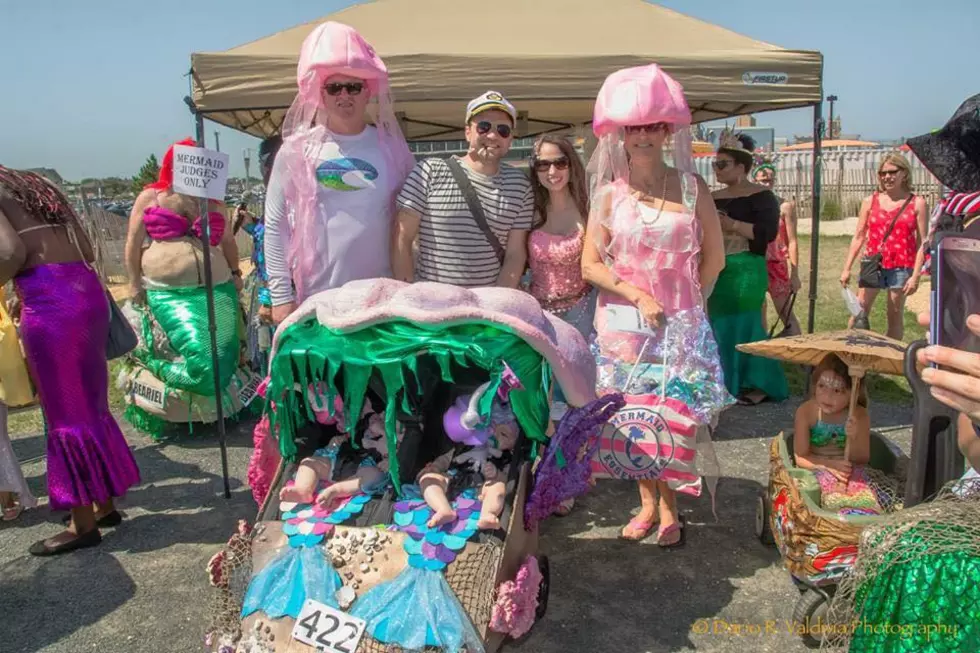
(637, 444)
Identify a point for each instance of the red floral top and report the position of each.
(900, 248)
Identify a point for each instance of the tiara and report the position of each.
(728, 140)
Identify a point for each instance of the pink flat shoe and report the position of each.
(639, 526)
(665, 532)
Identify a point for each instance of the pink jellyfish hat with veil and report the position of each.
(331, 49)
(638, 96)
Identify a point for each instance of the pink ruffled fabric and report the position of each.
(517, 601)
(264, 461)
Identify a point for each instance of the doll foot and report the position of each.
(295, 494)
(442, 517)
(488, 523)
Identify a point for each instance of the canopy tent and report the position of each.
(549, 57)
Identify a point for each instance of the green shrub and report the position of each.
(830, 210)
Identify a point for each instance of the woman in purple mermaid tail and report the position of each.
(64, 327)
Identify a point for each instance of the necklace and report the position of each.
(663, 201)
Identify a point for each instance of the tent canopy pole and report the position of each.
(212, 325)
(815, 216)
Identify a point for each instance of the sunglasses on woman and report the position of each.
(889, 173)
(652, 128)
(336, 88)
(484, 127)
(544, 165)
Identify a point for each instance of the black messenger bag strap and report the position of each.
(473, 201)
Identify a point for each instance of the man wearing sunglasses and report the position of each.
(470, 214)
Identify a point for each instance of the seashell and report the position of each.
(365, 567)
(341, 549)
(346, 597)
(371, 536)
(349, 575)
(338, 562)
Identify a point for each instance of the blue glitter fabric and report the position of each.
(418, 608)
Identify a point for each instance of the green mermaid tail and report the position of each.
(182, 314)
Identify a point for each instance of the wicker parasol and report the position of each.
(862, 351)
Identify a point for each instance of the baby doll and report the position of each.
(484, 454)
(371, 474)
(823, 425)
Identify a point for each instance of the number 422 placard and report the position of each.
(327, 629)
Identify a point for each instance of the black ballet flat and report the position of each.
(84, 541)
(110, 520)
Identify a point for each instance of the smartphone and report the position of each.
(955, 292)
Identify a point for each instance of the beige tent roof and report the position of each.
(549, 57)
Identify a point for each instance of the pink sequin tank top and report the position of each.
(556, 269)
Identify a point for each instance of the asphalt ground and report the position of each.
(144, 589)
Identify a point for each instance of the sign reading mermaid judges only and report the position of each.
(199, 172)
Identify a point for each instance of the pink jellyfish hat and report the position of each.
(639, 96)
(331, 49)
(337, 49)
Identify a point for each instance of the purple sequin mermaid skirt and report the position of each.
(64, 328)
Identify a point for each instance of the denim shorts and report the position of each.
(895, 278)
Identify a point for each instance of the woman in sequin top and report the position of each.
(554, 247)
(561, 207)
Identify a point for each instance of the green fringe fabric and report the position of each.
(153, 425)
(309, 353)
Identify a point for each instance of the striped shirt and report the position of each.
(451, 247)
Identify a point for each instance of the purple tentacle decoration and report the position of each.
(565, 471)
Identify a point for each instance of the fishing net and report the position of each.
(916, 583)
(471, 579)
(229, 573)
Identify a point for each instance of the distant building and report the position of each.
(841, 145)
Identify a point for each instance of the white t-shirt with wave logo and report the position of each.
(354, 210)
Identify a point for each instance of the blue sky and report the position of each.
(93, 88)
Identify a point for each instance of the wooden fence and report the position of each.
(846, 179)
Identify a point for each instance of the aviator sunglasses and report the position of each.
(336, 88)
(544, 165)
(484, 127)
